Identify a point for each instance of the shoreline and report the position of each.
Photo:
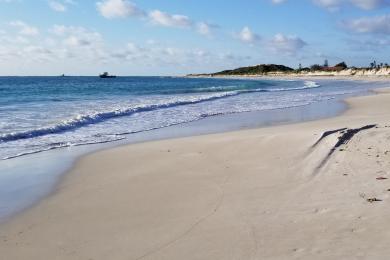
(199, 128)
(33, 177)
(78, 184)
(298, 77)
(291, 115)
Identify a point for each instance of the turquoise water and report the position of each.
(43, 113)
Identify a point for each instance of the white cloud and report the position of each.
(125, 8)
(57, 6)
(60, 5)
(334, 5)
(24, 28)
(370, 4)
(75, 41)
(118, 9)
(162, 55)
(37, 50)
(375, 45)
(59, 29)
(77, 37)
(289, 45)
(17, 47)
(206, 29)
(376, 24)
(70, 2)
(74, 49)
(247, 36)
(278, 1)
(164, 19)
(13, 40)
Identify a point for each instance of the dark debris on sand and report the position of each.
(344, 138)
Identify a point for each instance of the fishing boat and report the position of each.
(105, 75)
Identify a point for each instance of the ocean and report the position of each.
(43, 113)
(40, 115)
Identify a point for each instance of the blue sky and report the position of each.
(175, 37)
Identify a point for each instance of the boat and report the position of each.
(105, 75)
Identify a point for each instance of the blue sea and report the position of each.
(39, 115)
(43, 113)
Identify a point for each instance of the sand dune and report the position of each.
(272, 193)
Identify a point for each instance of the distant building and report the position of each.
(326, 64)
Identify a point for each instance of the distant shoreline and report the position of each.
(296, 76)
(340, 71)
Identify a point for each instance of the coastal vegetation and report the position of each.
(339, 69)
(257, 69)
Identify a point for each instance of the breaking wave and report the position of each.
(89, 119)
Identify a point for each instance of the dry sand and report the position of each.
(253, 194)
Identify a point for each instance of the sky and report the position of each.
(176, 37)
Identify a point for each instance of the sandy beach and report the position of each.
(284, 192)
